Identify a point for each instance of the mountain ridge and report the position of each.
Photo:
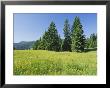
(23, 45)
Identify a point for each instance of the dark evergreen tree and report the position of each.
(53, 38)
(78, 37)
(50, 40)
(67, 41)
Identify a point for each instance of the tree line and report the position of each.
(74, 38)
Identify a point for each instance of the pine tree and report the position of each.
(78, 38)
(67, 41)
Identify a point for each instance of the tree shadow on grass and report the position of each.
(90, 49)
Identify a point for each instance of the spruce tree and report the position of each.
(78, 38)
(67, 40)
(50, 40)
(53, 38)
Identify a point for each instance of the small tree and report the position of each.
(92, 41)
(36, 44)
(78, 38)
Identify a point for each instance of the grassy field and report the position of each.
(42, 62)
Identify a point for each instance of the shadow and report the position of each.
(90, 49)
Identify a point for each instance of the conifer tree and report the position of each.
(50, 40)
(36, 44)
(53, 38)
(78, 38)
(92, 41)
(67, 40)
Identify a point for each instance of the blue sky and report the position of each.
(31, 26)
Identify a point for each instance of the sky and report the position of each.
(31, 26)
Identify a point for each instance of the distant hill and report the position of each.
(23, 45)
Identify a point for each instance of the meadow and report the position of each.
(43, 62)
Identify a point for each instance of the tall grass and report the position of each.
(42, 62)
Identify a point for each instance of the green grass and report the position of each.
(42, 62)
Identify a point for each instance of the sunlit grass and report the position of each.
(42, 62)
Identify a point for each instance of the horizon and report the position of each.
(26, 24)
